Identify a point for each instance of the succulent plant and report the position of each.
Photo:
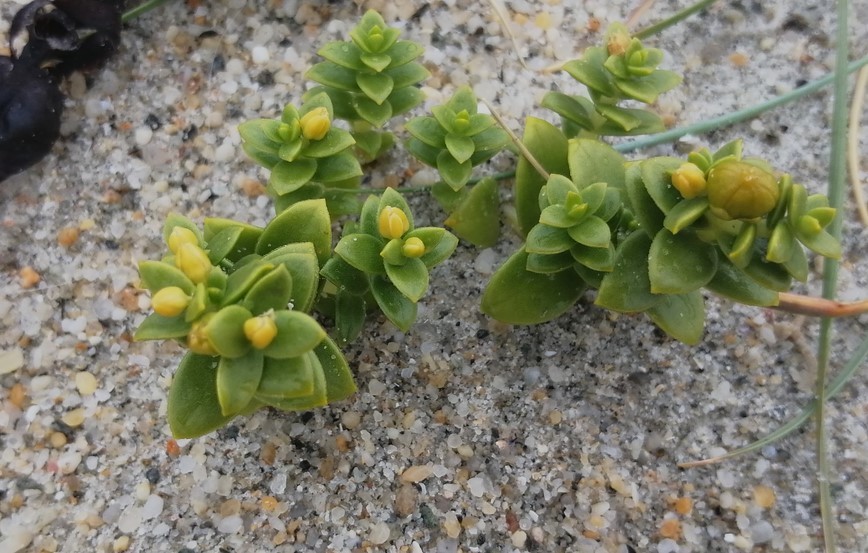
(238, 297)
(308, 156)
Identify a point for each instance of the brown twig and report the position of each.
(819, 307)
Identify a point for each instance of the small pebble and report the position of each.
(86, 383)
(18, 395)
(763, 496)
(121, 544)
(67, 236)
(11, 360)
(73, 418)
(379, 533)
(57, 440)
(451, 525)
(405, 500)
(351, 420)
(416, 473)
(519, 538)
(230, 524)
(143, 135)
(260, 55)
(28, 277)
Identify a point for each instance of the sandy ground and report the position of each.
(466, 434)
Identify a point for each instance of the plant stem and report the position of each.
(421, 187)
(836, 386)
(670, 21)
(837, 173)
(819, 307)
(731, 118)
(142, 8)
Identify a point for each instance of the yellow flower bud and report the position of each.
(393, 222)
(315, 124)
(197, 338)
(413, 247)
(740, 190)
(618, 40)
(181, 235)
(170, 301)
(193, 262)
(689, 180)
(260, 331)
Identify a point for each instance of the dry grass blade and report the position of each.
(521, 147)
(853, 144)
(504, 22)
(640, 11)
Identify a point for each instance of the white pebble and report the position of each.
(260, 55)
(224, 152)
(130, 520)
(143, 490)
(379, 533)
(186, 464)
(376, 387)
(11, 360)
(153, 507)
(484, 262)
(476, 486)
(278, 483)
(519, 538)
(68, 462)
(143, 135)
(762, 532)
(667, 546)
(230, 524)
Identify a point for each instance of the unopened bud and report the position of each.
(618, 40)
(413, 247)
(170, 301)
(689, 180)
(179, 236)
(260, 331)
(193, 262)
(740, 190)
(315, 124)
(393, 222)
(197, 338)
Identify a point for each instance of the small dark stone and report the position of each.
(153, 475)
(210, 33)
(186, 550)
(218, 64)
(306, 417)
(801, 82)
(481, 334)
(796, 22)
(153, 122)
(265, 79)
(304, 465)
(189, 133)
(229, 433)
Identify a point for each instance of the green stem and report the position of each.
(837, 173)
(709, 125)
(142, 8)
(670, 21)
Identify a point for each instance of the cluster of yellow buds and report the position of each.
(392, 223)
(260, 330)
(315, 124)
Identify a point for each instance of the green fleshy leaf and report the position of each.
(237, 381)
(423, 152)
(289, 151)
(477, 216)
(781, 244)
(377, 62)
(730, 149)
(427, 130)
(731, 282)
(448, 199)
(317, 398)
(157, 275)
(557, 190)
(244, 245)
(223, 243)
(199, 303)
(338, 167)
(646, 212)
(243, 279)
(571, 108)
(362, 251)
(769, 275)
(598, 259)
(488, 143)
(343, 53)
(376, 86)
(404, 51)
(681, 316)
(271, 292)
(516, 295)
(549, 146)
(684, 214)
(612, 204)
(641, 121)
(339, 379)
(297, 334)
(548, 240)
(372, 112)
(300, 260)
(621, 117)
(289, 176)
(368, 217)
(593, 161)
(411, 278)
(333, 75)
(657, 175)
(286, 378)
(158, 327)
(591, 231)
(546, 264)
(453, 173)
(461, 147)
(439, 244)
(349, 316)
(408, 74)
(345, 277)
(822, 243)
(628, 287)
(797, 264)
(405, 99)
(556, 216)
(590, 71)
(193, 408)
(337, 140)
(647, 89)
(305, 221)
(394, 305)
(225, 331)
(680, 263)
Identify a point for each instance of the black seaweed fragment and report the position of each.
(60, 36)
